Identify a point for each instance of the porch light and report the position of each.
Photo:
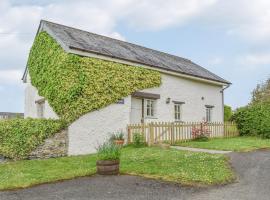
(168, 100)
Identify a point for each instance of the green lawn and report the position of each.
(169, 165)
(240, 144)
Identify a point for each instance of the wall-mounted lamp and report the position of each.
(168, 100)
(202, 98)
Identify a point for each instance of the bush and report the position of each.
(254, 120)
(108, 151)
(227, 113)
(138, 140)
(19, 137)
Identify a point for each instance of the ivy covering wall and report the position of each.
(75, 85)
(18, 137)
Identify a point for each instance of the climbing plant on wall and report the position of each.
(75, 85)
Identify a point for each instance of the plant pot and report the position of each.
(108, 167)
(119, 142)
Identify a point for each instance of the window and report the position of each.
(177, 111)
(209, 113)
(150, 108)
(40, 109)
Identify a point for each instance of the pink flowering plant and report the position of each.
(201, 133)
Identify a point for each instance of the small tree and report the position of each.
(227, 113)
(261, 94)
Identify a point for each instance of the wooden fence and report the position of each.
(157, 132)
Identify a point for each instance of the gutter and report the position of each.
(222, 92)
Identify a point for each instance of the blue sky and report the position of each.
(230, 38)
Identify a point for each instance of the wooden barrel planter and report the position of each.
(108, 167)
(119, 142)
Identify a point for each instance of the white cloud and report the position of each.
(160, 14)
(256, 59)
(248, 19)
(10, 77)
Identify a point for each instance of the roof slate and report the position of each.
(94, 43)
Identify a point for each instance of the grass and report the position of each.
(239, 144)
(168, 165)
(177, 166)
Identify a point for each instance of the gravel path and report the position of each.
(253, 182)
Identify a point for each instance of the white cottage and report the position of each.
(188, 91)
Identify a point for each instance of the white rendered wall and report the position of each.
(30, 106)
(92, 129)
(190, 92)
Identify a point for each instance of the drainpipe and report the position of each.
(222, 92)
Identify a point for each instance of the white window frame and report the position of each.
(150, 105)
(209, 113)
(178, 111)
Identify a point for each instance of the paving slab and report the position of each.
(201, 150)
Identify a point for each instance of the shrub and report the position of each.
(200, 134)
(227, 113)
(76, 85)
(108, 151)
(138, 140)
(117, 136)
(254, 120)
(18, 137)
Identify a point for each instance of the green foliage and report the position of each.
(227, 113)
(138, 140)
(18, 137)
(239, 144)
(108, 151)
(261, 94)
(254, 120)
(75, 85)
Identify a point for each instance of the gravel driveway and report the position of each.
(253, 182)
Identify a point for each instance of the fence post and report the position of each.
(172, 133)
(151, 134)
(129, 135)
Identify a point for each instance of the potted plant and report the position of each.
(108, 159)
(117, 138)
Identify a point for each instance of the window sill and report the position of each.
(150, 117)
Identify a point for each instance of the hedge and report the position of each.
(75, 85)
(18, 137)
(254, 120)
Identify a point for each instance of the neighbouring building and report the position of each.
(188, 92)
(10, 115)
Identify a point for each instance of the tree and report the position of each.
(227, 113)
(261, 94)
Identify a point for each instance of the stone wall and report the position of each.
(55, 146)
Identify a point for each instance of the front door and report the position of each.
(136, 110)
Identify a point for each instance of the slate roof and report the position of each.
(75, 39)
